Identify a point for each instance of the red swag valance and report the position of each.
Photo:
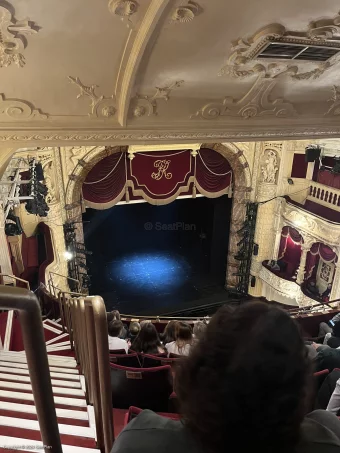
(157, 177)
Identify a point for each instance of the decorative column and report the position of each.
(278, 225)
(268, 160)
(306, 246)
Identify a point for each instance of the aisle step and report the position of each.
(63, 337)
(71, 392)
(54, 374)
(20, 357)
(23, 423)
(27, 398)
(34, 434)
(9, 443)
(28, 411)
(55, 382)
(23, 366)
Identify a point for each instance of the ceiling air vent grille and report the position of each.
(304, 52)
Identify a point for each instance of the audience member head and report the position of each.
(134, 328)
(115, 328)
(145, 321)
(113, 315)
(244, 386)
(199, 329)
(147, 340)
(183, 335)
(169, 332)
(336, 329)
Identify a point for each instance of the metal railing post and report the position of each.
(34, 343)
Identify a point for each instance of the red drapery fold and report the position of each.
(106, 181)
(213, 172)
(290, 245)
(313, 257)
(158, 177)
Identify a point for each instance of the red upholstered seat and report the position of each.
(128, 360)
(151, 360)
(147, 388)
(135, 411)
(117, 351)
(319, 377)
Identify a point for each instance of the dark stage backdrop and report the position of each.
(148, 256)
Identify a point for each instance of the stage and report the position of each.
(157, 259)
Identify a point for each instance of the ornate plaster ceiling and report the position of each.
(129, 71)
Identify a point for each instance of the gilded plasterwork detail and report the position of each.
(255, 103)
(101, 106)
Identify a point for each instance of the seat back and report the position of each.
(128, 360)
(151, 360)
(147, 388)
(117, 351)
(135, 411)
(319, 377)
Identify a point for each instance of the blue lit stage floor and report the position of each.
(153, 282)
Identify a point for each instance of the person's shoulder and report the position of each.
(170, 345)
(319, 430)
(150, 433)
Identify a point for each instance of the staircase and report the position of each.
(19, 427)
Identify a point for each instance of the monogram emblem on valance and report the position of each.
(162, 166)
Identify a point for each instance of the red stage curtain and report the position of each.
(329, 179)
(213, 172)
(106, 181)
(158, 177)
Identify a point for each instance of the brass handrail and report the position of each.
(89, 327)
(16, 278)
(100, 322)
(27, 304)
(63, 276)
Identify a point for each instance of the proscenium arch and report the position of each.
(242, 189)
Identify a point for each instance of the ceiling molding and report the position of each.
(129, 69)
(255, 102)
(43, 136)
(12, 41)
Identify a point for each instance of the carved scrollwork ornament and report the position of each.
(12, 43)
(101, 106)
(123, 8)
(256, 102)
(185, 13)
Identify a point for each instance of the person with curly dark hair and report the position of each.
(244, 388)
